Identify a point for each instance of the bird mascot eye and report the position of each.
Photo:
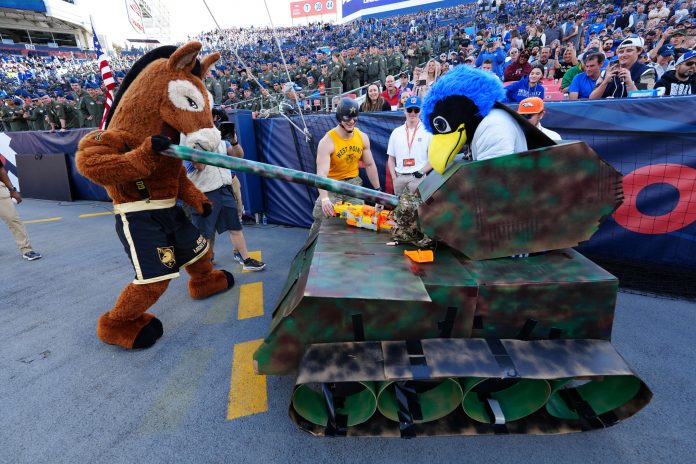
(192, 103)
(441, 125)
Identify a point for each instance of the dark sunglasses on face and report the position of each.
(690, 63)
(413, 110)
(349, 118)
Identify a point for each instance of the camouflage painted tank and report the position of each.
(476, 342)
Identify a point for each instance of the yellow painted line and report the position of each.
(250, 301)
(256, 255)
(105, 213)
(34, 221)
(247, 390)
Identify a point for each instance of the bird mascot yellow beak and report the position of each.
(444, 147)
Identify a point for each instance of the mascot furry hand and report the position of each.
(161, 96)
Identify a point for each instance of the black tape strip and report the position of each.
(502, 358)
(336, 424)
(478, 322)
(409, 408)
(142, 189)
(358, 328)
(527, 329)
(555, 333)
(445, 327)
(419, 365)
(588, 417)
(498, 429)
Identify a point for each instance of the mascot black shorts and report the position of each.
(159, 242)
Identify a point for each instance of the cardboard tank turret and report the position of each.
(477, 342)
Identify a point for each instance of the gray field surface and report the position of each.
(66, 397)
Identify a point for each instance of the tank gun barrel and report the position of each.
(279, 172)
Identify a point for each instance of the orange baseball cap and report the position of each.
(531, 105)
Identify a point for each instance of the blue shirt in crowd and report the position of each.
(518, 91)
(498, 59)
(583, 85)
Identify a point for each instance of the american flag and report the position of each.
(107, 77)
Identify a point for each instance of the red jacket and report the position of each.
(393, 101)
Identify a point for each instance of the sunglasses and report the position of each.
(689, 63)
(349, 118)
(413, 110)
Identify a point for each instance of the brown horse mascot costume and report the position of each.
(161, 97)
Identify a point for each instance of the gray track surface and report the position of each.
(66, 397)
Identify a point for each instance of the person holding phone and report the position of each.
(493, 51)
(217, 184)
(626, 73)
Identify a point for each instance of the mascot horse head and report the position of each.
(163, 93)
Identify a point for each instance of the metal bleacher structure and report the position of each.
(44, 28)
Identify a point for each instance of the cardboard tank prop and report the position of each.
(476, 342)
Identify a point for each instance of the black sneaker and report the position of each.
(250, 264)
(31, 255)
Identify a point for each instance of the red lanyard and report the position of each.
(409, 140)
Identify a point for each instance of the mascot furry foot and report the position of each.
(161, 97)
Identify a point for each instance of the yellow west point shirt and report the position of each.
(346, 155)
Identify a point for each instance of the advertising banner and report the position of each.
(351, 7)
(31, 5)
(312, 8)
(135, 16)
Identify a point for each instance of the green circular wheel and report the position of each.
(360, 402)
(517, 398)
(603, 395)
(437, 398)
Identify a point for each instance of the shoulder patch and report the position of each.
(98, 135)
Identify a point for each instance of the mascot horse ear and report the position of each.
(185, 56)
(207, 63)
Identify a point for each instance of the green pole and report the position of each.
(279, 172)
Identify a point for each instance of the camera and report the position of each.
(226, 130)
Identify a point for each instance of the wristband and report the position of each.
(324, 200)
(13, 189)
(235, 144)
(379, 189)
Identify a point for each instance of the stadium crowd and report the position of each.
(552, 50)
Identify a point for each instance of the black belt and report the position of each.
(398, 174)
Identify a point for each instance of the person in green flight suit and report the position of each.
(248, 101)
(213, 86)
(382, 66)
(15, 116)
(225, 77)
(374, 65)
(336, 73)
(71, 113)
(354, 69)
(37, 118)
(91, 111)
(79, 93)
(395, 60)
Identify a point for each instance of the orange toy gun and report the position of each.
(365, 216)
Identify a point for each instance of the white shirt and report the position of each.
(549, 133)
(497, 135)
(409, 162)
(212, 177)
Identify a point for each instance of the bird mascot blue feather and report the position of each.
(455, 106)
